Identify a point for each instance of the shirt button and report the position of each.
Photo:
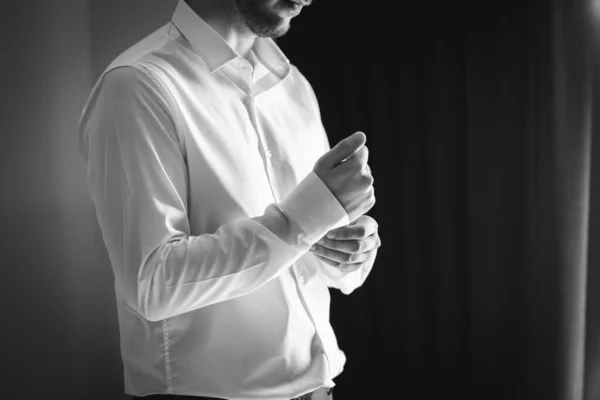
(302, 279)
(269, 154)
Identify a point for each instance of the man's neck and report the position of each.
(222, 16)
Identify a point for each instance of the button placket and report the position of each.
(266, 151)
(300, 288)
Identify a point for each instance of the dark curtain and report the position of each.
(479, 122)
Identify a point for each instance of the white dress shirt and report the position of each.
(200, 169)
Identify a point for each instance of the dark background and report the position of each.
(479, 121)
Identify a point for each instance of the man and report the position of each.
(214, 188)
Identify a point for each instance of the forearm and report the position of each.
(190, 272)
(196, 271)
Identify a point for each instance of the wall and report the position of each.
(60, 329)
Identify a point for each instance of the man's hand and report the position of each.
(344, 170)
(349, 247)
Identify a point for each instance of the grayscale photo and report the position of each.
(190, 207)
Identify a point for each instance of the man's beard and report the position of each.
(261, 19)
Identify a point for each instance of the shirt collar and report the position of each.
(215, 51)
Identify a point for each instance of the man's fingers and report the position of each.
(341, 267)
(352, 246)
(344, 149)
(363, 227)
(340, 256)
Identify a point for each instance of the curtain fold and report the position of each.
(558, 202)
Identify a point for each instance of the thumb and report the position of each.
(344, 149)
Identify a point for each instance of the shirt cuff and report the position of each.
(313, 210)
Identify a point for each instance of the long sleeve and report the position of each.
(137, 179)
(346, 282)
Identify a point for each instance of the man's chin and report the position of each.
(263, 19)
(271, 32)
(279, 32)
